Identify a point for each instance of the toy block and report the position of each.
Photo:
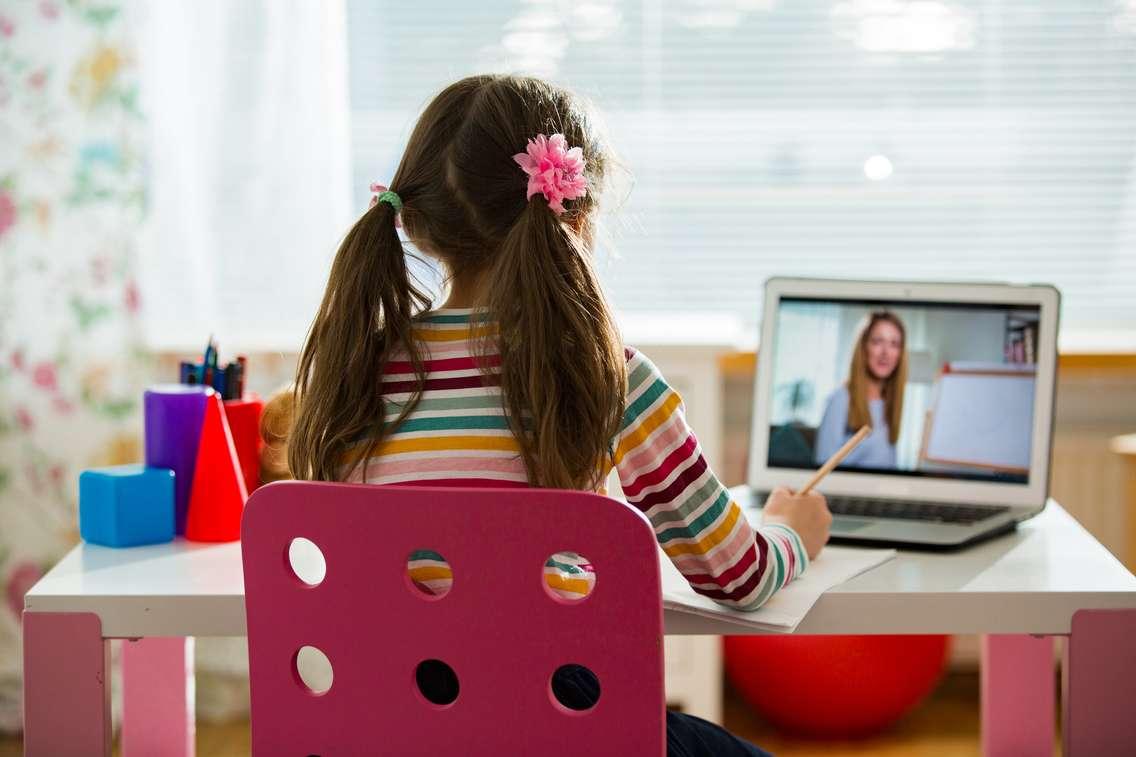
(174, 413)
(126, 505)
(244, 423)
(217, 497)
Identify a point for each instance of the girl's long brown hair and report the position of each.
(563, 373)
(893, 386)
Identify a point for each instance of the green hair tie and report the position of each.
(385, 195)
(392, 199)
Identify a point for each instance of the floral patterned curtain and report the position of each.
(72, 201)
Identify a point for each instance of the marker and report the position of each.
(231, 381)
(836, 459)
(242, 363)
(206, 376)
(218, 381)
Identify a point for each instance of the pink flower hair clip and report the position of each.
(554, 170)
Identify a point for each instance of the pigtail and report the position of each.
(563, 371)
(367, 310)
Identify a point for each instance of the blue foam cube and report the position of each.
(126, 505)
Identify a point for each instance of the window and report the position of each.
(859, 138)
(248, 167)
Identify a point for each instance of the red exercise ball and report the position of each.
(834, 686)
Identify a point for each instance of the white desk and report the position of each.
(1032, 582)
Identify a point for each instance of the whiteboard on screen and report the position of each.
(981, 419)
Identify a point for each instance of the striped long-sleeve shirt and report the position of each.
(458, 435)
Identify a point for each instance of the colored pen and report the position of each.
(218, 381)
(206, 376)
(242, 363)
(230, 381)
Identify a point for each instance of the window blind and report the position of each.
(983, 140)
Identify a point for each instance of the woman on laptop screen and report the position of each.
(872, 396)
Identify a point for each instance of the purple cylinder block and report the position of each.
(174, 414)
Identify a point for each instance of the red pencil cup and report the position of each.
(244, 423)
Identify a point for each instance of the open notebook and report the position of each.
(787, 608)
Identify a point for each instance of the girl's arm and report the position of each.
(704, 532)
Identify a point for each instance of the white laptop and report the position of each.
(956, 381)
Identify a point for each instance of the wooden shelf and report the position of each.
(741, 363)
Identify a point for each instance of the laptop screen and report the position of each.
(947, 389)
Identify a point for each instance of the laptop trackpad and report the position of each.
(847, 526)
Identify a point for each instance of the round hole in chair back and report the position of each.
(429, 574)
(569, 577)
(437, 681)
(575, 687)
(306, 560)
(313, 669)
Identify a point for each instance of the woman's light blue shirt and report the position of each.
(874, 452)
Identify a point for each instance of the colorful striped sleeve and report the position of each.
(663, 472)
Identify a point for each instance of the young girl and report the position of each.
(520, 379)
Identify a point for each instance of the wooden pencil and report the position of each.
(836, 459)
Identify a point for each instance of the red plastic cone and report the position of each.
(218, 494)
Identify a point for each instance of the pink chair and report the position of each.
(499, 628)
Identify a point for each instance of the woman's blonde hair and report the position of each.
(563, 372)
(893, 385)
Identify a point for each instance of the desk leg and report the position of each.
(157, 697)
(1017, 696)
(1099, 683)
(66, 686)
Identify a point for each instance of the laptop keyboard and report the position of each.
(934, 512)
(866, 507)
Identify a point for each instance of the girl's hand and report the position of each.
(807, 515)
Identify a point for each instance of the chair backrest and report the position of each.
(499, 628)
